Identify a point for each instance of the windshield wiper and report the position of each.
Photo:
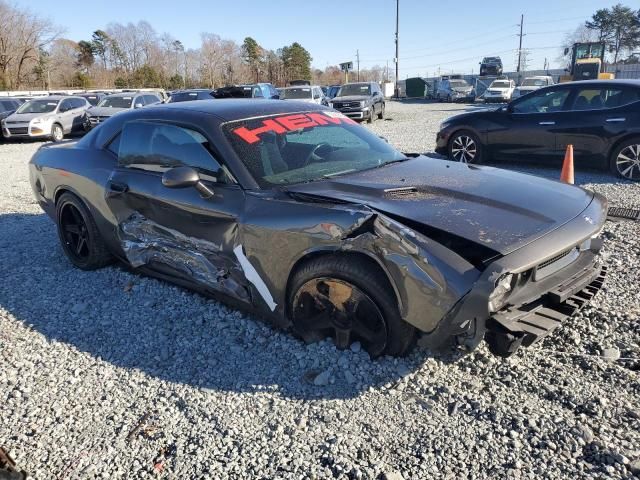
(397, 160)
(335, 174)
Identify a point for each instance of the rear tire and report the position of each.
(79, 236)
(625, 160)
(352, 279)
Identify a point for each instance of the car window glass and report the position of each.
(257, 92)
(159, 147)
(601, 98)
(114, 145)
(79, 102)
(542, 102)
(65, 105)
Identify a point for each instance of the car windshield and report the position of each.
(116, 102)
(354, 89)
(500, 85)
(534, 82)
(458, 83)
(303, 147)
(293, 93)
(38, 106)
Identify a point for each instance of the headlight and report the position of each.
(363, 103)
(331, 104)
(36, 121)
(500, 292)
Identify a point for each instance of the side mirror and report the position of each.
(183, 177)
(138, 105)
(566, 50)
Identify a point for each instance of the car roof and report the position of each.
(128, 94)
(187, 90)
(600, 83)
(54, 97)
(229, 109)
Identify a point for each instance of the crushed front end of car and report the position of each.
(522, 297)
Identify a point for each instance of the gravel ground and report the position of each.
(111, 375)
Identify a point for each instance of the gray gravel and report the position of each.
(111, 375)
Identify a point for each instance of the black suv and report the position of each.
(360, 101)
(491, 66)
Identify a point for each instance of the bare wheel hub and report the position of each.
(327, 307)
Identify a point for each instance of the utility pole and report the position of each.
(386, 72)
(358, 62)
(520, 45)
(397, 89)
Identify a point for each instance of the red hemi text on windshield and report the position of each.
(291, 123)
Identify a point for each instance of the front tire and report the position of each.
(625, 160)
(57, 133)
(381, 114)
(341, 297)
(79, 236)
(372, 114)
(465, 147)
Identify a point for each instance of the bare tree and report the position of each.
(23, 35)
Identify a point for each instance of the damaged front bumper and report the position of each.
(525, 325)
(547, 288)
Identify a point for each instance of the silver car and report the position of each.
(46, 117)
(116, 103)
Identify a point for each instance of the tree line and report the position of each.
(35, 54)
(617, 27)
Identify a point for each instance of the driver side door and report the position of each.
(178, 233)
(527, 129)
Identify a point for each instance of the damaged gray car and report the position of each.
(296, 213)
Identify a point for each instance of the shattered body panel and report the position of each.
(443, 234)
(145, 242)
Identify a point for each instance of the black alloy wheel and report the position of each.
(79, 236)
(75, 233)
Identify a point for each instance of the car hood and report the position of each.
(26, 117)
(498, 209)
(105, 111)
(351, 98)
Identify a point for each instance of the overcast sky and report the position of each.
(452, 36)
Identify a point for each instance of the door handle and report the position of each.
(616, 120)
(118, 187)
(546, 123)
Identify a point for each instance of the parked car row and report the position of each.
(46, 117)
(600, 118)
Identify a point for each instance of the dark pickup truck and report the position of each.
(360, 101)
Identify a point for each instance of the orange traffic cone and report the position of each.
(566, 175)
